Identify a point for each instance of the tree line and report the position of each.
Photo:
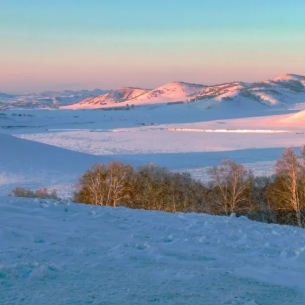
(232, 188)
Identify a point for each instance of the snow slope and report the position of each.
(57, 253)
(32, 165)
(297, 119)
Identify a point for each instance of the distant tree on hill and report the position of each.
(42, 193)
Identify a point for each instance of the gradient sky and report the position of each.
(86, 44)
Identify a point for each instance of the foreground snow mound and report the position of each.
(56, 253)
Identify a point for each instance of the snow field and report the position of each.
(53, 253)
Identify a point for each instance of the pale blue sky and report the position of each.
(108, 44)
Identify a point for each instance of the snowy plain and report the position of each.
(63, 253)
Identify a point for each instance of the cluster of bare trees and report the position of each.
(149, 187)
(232, 189)
(279, 198)
(42, 193)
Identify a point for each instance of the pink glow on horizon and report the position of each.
(39, 76)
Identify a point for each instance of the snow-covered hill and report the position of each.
(289, 78)
(58, 253)
(172, 92)
(286, 89)
(297, 119)
(110, 98)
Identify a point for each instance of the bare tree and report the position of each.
(261, 198)
(289, 184)
(118, 182)
(104, 184)
(230, 187)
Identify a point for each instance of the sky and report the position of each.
(87, 44)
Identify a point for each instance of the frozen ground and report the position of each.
(55, 253)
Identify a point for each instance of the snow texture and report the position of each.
(57, 253)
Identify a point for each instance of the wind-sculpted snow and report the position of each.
(58, 253)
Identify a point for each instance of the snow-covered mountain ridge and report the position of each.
(287, 88)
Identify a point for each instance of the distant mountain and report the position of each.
(48, 99)
(284, 89)
(5, 95)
